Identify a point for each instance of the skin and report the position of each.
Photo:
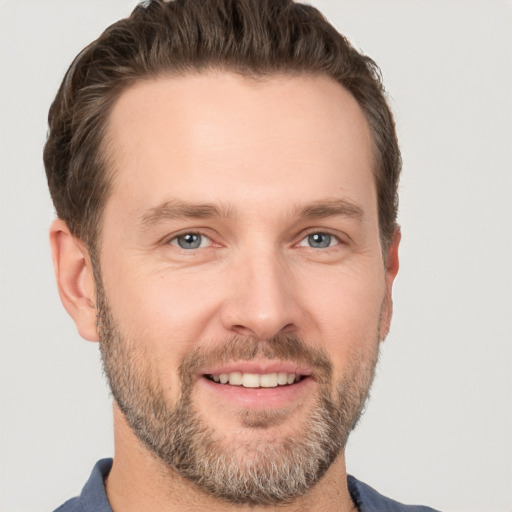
(261, 152)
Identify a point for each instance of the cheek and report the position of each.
(166, 311)
(347, 313)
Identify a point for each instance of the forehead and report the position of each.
(218, 136)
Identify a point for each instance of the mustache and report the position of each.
(283, 346)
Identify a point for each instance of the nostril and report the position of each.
(242, 330)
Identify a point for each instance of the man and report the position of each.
(225, 177)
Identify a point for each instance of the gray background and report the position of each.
(438, 427)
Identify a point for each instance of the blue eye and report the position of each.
(319, 241)
(189, 241)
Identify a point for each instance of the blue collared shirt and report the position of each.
(93, 497)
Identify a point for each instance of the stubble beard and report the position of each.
(262, 471)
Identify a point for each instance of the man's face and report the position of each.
(240, 243)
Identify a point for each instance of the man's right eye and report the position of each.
(190, 241)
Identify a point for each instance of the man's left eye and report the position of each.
(190, 241)
(319, 241)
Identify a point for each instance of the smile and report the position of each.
(255, 380)
(258, 384)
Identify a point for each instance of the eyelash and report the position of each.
(175, 240)
(331, 237)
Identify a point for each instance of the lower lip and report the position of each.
(259, 398)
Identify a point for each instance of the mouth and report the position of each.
(259, 385)
(255, 380)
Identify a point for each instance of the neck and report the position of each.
(140, 482)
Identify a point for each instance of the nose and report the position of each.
(262, 297)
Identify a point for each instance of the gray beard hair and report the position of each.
(262, 472)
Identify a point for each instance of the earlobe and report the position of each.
(75, 280)
(392, 265)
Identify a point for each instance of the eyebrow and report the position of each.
(331, 208)
(177, 209)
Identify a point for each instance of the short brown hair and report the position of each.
(251, 37)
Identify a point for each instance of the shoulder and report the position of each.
(93, 497)
(72, 505)
(368, 499)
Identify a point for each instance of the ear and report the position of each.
(75, 279)
(392, 264)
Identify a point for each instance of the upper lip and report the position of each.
(258, 367)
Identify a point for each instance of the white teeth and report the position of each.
(268, 380)
(255, 380)
(251, 380)
(236, 378)
(282, 378)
